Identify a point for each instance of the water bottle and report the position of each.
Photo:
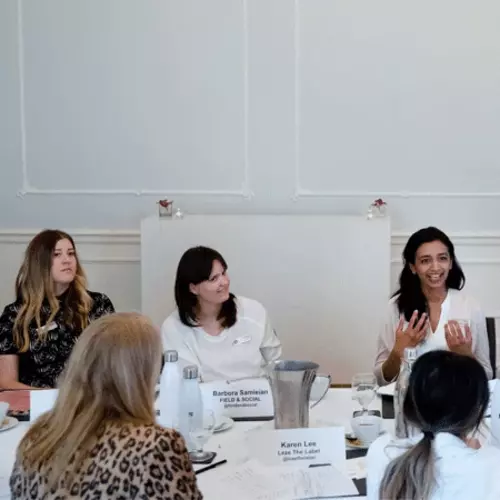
(170, 391)
(191, 406)
(403, 428)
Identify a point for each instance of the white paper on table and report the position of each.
(350, 498)
(4, 487)
(245, 482)
(356, 468)
(254, 481)
(319, 482)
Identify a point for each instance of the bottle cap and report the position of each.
(171, 356)
(190, 372)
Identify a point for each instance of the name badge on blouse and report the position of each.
(47, 328)
(242, 340)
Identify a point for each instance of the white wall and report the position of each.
(112, 262)
(249, 106)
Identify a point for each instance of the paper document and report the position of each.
(318, 482)
(4, 486)
(253, 481)
(356, 468)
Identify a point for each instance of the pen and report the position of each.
(211, 466)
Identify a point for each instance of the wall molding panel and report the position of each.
(28, 189)
(310, 42)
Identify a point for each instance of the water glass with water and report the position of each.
(364, 386)
(200, 431)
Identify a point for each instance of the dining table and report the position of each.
(336, 409)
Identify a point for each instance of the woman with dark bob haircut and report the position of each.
(228, 337)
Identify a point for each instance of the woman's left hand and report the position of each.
(458, 341)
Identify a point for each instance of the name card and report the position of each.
(248, 399)
(299, 447)
(42, 401)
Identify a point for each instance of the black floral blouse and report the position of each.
(43, 362)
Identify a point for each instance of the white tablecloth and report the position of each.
(335, 409)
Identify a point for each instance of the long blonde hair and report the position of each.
(34, 285)
(110, 376)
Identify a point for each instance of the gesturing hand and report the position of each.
(414, 334)
(458, 341)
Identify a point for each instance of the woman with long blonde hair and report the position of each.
(52, 308)
(101, 439)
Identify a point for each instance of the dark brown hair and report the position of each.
(410, 297)
(447, 392)
(195, 267)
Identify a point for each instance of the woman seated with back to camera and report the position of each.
(227, 337)
(52, 307)
(429, 306)
(100, 440)
(446, 401)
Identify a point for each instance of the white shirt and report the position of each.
(461, 473)
(241, 351)
(495, 415)
(457, 306)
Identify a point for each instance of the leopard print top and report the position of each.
(127, 462)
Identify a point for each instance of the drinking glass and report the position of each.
(200, 431)
(462, 323)
(364, 386)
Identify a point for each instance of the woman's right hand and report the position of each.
(414, 334)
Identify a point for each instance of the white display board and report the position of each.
(325, 280)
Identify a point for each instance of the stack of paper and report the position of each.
(253, 481)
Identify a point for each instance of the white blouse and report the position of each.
(461, 473)
(457, 306)
(241, 351)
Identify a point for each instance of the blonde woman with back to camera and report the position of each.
(52, 308)
(100, 440)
